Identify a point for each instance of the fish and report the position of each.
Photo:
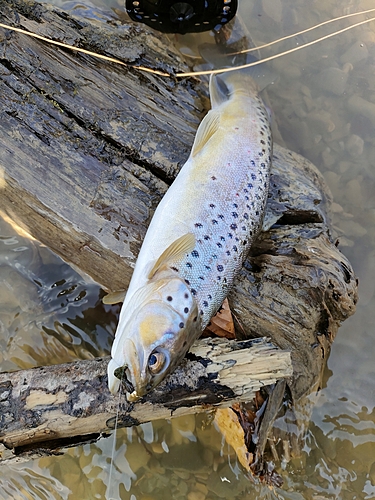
(198, 238)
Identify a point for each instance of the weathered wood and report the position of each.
(85, 145)
(51, 407)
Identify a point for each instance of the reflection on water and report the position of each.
(324, 105)
(48, 313)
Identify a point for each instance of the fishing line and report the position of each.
(271, 58)
(114, 443)
(301, 32)
(209, 72)
(83, 51)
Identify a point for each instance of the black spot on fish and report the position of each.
(245, 190)
(169, 298)
(257, 212)
(251, 233)
(206, 237)
(195, 319)
(193, 291)
(209, 296)
(235, 248)
(195, 254)
(220, 268)
(188, 283)
(247, 198)
(205, 303)
(201, 277)
(224, 280)
(244, 228)
(222, 238)
(186, 310)
(214, 256)
(261, 153)
(233, 226)
(214, 221)
(219, 245)
(201, 312)
(207, 267)
(253, 176)
(212, 205)
(235, 215)
(189, 264)
(230, 235)
(213, 178)
(263, 165)
(221, 216)
(263, 142)
(228, 252)
(186, 295)
(219, 278)
(250, 186)
(235, 205)
(252, 162)
(245, 241)
(246, 215)
(198, 224)
(181, 325)
(174, 269)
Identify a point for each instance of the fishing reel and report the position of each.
(174, 16)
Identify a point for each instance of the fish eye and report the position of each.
(156, 362)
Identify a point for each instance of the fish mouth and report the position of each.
(121, 374)
(126, 373)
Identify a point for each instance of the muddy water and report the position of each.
(324, 106)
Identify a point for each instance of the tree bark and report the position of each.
(51, 407)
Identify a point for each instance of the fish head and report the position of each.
(161, 325)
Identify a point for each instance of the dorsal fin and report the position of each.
(209, 125)
(114, 297)
(176, 250)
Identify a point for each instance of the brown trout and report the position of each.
(198, 238)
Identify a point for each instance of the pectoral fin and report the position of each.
(114, 297)
(206, 130)
(176, 250)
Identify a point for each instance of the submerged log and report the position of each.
(51, 407)
(89, 148)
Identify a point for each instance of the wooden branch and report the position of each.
(54, 406)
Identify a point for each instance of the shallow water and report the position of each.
(48, 314)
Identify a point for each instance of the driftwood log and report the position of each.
(50, 407)
(88, 149)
